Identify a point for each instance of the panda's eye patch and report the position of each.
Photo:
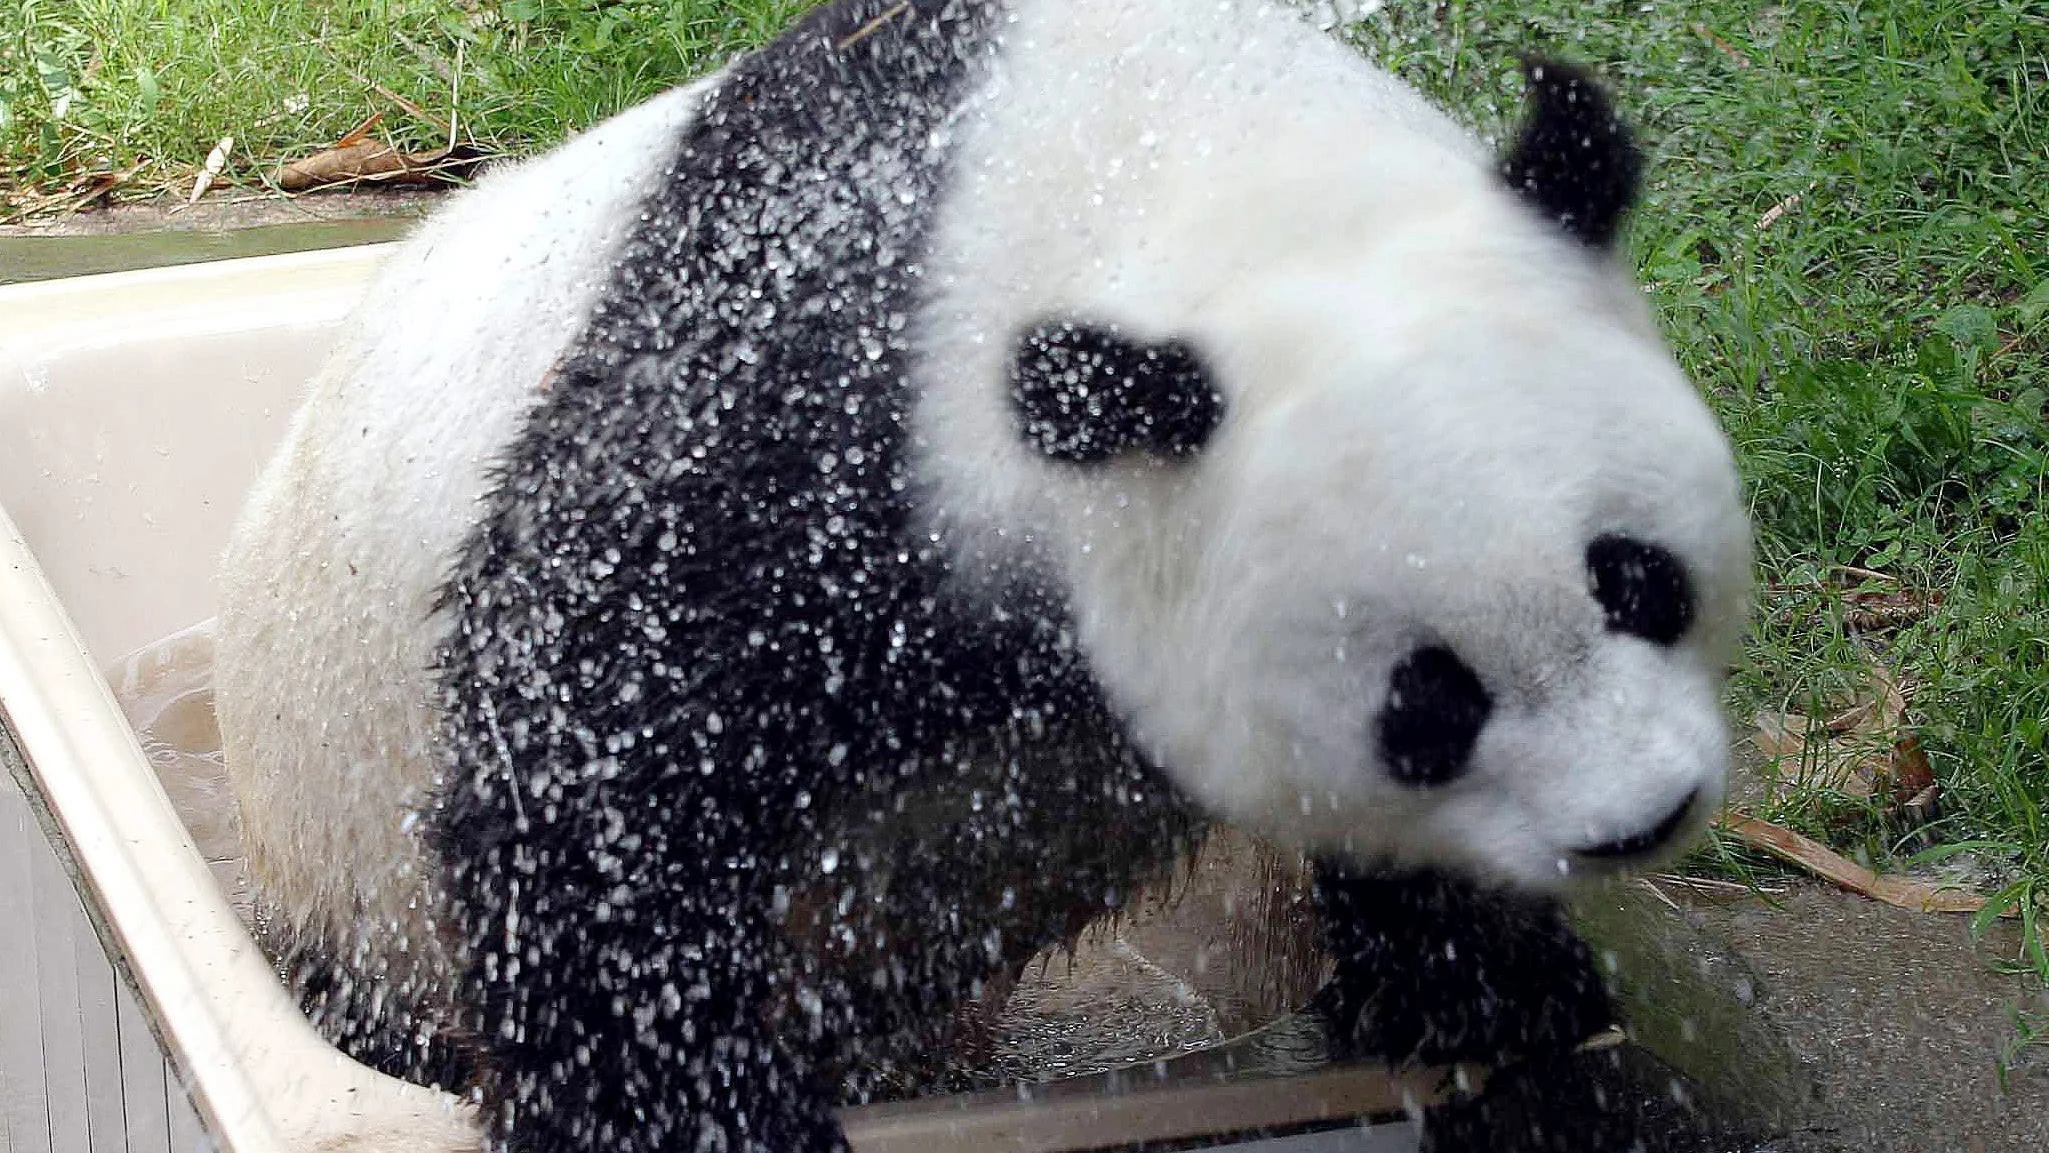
(1435, 709)
(1643, 589)
(1085, 393)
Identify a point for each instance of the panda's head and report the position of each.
(1401, 536)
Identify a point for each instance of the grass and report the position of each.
(1846, 237)
(137, 92)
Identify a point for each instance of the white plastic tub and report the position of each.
(135, 409)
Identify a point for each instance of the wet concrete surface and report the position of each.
(156, 234)
(1899, 1017)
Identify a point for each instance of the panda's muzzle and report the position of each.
(1649, 841)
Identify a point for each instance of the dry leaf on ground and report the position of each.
(1864, 749)
(1826, 863)
(83, 192)
(211, 170)
(1870, 611)
(375, 162)
(1727, 49)
(361, 131)
(1771, 215)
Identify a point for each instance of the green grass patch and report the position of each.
(145, 88)
(1846, 237)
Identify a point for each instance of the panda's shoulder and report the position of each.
(571, 202)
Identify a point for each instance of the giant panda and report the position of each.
(1145, 412)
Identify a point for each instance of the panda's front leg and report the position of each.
(630, 993)
(1434, 968)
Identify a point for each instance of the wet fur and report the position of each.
(573, 633)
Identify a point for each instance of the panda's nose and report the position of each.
(1649, 840)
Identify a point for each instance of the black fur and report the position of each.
(1086, 393)
(698, 637)
(1435, 709)
(1574, 160)
(1435, 968)
(384, 1020)
(1613, 1101)
(1643, 589)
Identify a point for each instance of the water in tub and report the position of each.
(166, 690)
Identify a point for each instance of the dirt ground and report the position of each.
(1899, 1016)
(232, 213)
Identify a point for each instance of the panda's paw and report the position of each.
(1435, 969)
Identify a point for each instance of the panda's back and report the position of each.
(350, 530)
(699, 568)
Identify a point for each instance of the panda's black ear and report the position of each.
(1574, 161)
(1085, 393)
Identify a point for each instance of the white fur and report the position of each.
(353, 527)
(1435, 401)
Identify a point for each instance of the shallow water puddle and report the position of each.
(166, 691)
